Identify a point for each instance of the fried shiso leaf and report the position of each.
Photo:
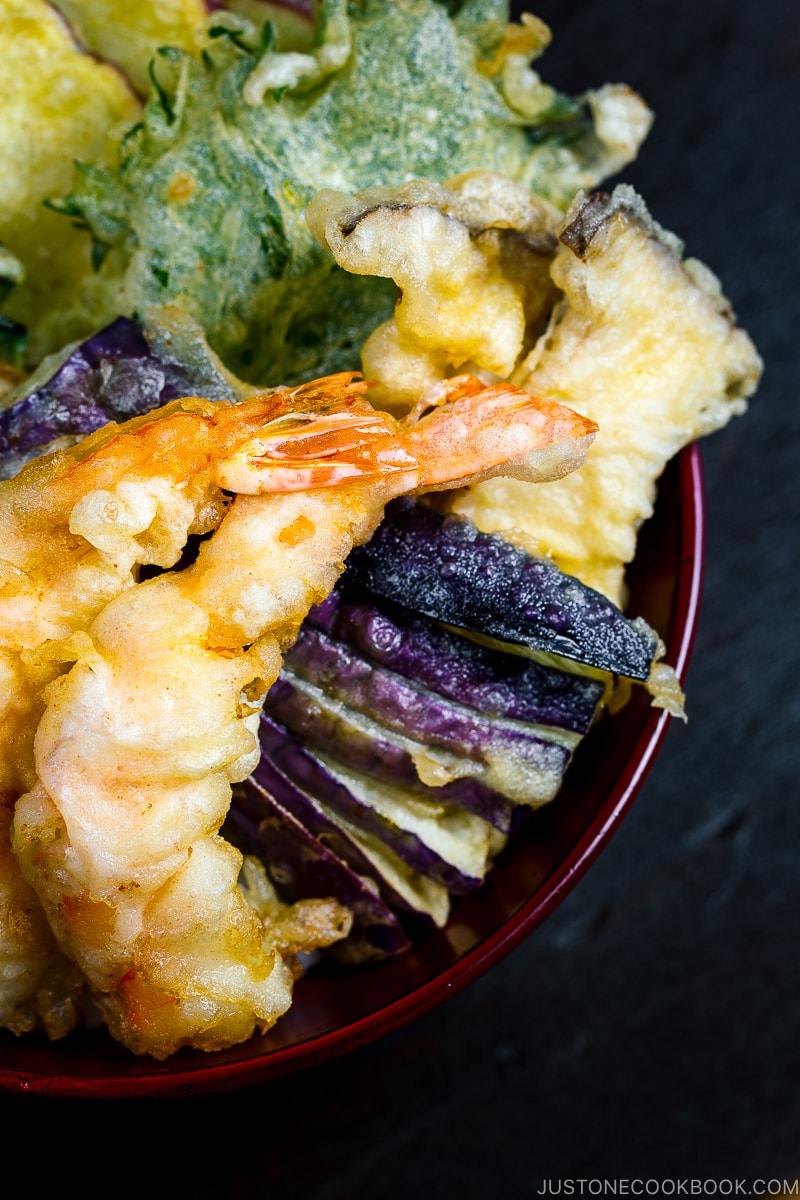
(206, 205)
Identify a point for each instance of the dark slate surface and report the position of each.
(650, 1028)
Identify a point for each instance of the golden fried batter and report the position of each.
(140, 740)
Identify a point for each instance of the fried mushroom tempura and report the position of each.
(141, 738)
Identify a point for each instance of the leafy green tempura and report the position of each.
(206, 206)
(13, 336)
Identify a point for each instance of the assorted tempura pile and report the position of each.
(264, 207)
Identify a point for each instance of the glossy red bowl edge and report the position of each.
(141, 1078)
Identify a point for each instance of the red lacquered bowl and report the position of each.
(334, 1012)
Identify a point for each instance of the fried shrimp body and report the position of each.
(142, 499)
(142, 738)
(75, 527)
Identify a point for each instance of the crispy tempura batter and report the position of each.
(36, 981)
(646, 344)
(74, 528)
(141, 739)
(608, 318)
(54, 582)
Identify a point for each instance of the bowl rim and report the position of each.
(216, 1076)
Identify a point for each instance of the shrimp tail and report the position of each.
(463, 433)
(474, 435)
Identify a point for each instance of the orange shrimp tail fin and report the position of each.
(499, 430)
(328, 434)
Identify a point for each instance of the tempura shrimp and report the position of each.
(53, 582)
(142, 497)
(141, 739)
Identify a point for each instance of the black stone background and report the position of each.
(648, 1030)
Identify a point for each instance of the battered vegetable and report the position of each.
(59, 104)
(153, 574)
(635, 336)
(206, 206)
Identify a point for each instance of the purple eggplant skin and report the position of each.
(73, 400)
(375, 756)
(303, 868)
(268, 778)
(416, 713)
(440, 564)
(112, 376)
(303, 806)
(491, 681)
(304, 770)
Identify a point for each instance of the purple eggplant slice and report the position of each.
(450, 846)
(530, 777)
(394, 702)
(441, 565)
(302, 867)
(493, 682)
(86, 390)
(368, 749)
(402, 888)
(528, 773)
(447, 845)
